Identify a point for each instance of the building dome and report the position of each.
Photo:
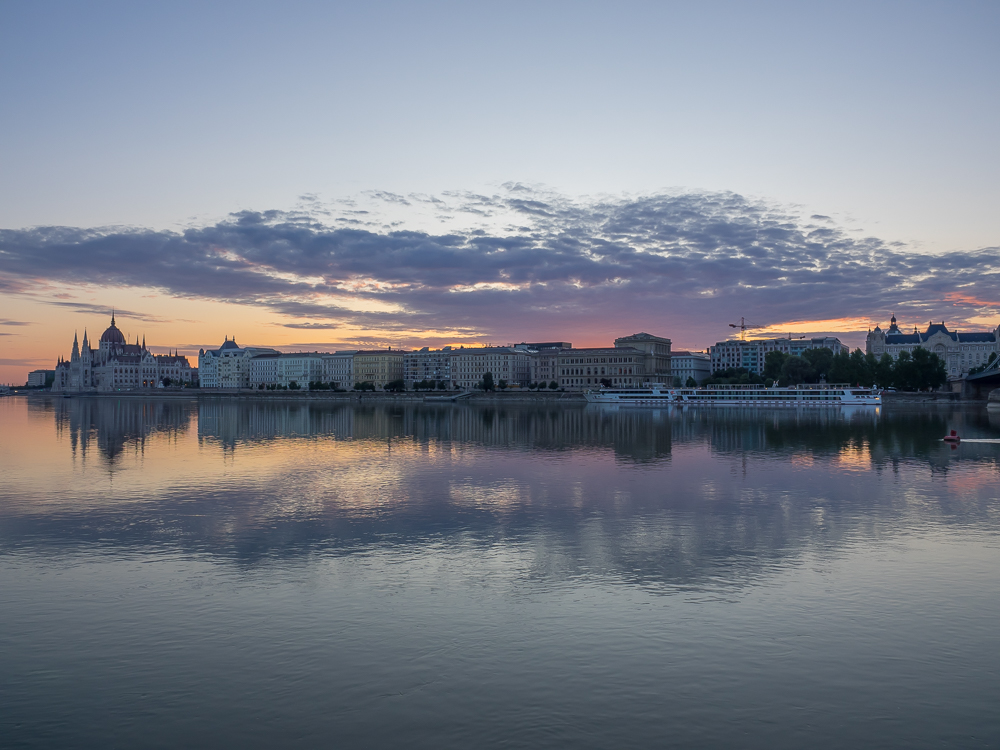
(112, 335)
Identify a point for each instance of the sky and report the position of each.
(324, 175)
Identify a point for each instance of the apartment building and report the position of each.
(750, 354)
(582, 369)
(339, 368)
(428, 364)
(468, 366)
(378, 366)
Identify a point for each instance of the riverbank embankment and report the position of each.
(904, 398)
(508, 397)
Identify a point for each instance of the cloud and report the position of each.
(539, 262)
(15, 323)
(311, 325)
(105, 310)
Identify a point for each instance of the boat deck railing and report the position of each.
(799, 387)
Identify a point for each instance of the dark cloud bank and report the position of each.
(663, 262)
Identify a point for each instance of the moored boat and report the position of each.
(834, 394)
(653, 395)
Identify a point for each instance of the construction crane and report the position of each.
(744, 326)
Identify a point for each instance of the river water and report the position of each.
(284, 574)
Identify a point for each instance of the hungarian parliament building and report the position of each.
(117, 365)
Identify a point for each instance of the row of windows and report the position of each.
(580, 371)
(599, 360)
(595, 381)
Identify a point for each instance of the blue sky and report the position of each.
(880, 118)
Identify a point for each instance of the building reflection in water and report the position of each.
(662, 497)
(637, 434)
(116, 425)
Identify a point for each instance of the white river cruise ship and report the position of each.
(834, 394)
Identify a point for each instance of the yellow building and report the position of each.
(469, 366)
(378, 367)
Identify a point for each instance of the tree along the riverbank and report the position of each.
(920, 371)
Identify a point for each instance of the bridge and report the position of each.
(980, 384)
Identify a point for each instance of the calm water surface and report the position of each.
(265, 574)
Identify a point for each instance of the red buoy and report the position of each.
(952, 438)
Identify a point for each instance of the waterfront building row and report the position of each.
(634, 360)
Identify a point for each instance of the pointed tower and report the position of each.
(75, 355)
(86, 355)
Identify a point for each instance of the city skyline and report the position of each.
(435, 175)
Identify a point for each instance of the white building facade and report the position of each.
(694, 365)
(338, 368)
(961, 351)
(229, 365)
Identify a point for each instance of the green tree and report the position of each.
(863, 366)
(606, 382)
(820, 359)
(904, 373)
(885, 371)
(870, 367)
(929, 371)
(293, 386)
(691, 383)
(395, 386)
(488, 384)
(553, 386)
(502, 385)
(772, 364)
(734, 376)
(797, 370)
(842, 369)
